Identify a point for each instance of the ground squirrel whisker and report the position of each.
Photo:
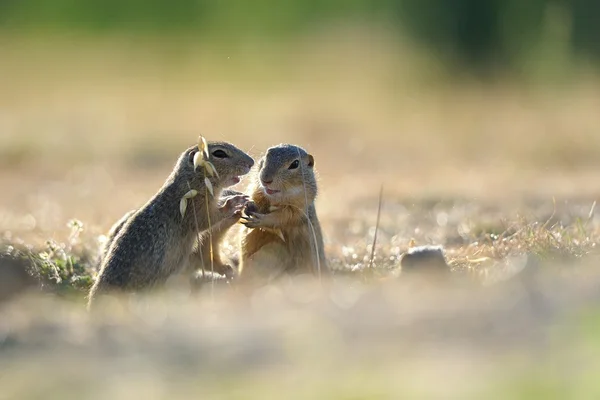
(316, 248)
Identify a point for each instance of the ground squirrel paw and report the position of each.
(253, 220)
(233, 205)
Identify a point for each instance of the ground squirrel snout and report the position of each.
(230, 163)
(150, 244)
(282, 234)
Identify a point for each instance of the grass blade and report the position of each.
(372, 258)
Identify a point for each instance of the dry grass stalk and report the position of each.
(201, 160)
(372, 258)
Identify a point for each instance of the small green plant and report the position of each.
(61, 268)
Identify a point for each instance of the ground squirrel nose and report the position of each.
(267, 182)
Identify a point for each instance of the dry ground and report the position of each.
(89, 130)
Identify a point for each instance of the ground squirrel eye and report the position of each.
(219, 154)
(294, 165)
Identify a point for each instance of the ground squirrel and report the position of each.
(282, 234)
(200, 255)
(156, 241)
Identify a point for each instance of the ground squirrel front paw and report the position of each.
(254, 220)
(233, 205)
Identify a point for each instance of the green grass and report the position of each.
(65, 269)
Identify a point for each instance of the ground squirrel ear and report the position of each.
(311, 161)
(191, 156)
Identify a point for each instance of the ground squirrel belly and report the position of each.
(154, 242)
(282, 234)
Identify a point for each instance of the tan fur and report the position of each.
(290, 214)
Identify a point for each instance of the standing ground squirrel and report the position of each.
(282, 233)
(154, 242)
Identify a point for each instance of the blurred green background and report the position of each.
(476, 34)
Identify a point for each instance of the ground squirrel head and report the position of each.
(286, 175)
(230, 163)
